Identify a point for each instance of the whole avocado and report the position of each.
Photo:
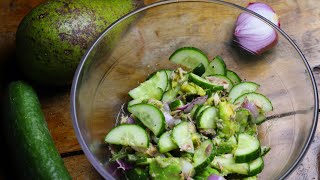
(53, 37)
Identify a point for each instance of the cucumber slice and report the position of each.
(203, 82)
(150, 116)
(216, 66)
(248, 148)
(165, 143)
(189, 57)
(169, 73)
(258, 99)
(136, 174)
(227, 165)
(199, 70)
(207, 118)
(256, 166)
(199, 111)
(143, 161)
(152, 88)
(264, 150)
(176, 104)
(242, 88)
(128, 135)
(136, 101)
(203, 155)
(221, 80)
(171, 94)
(233, 77)
(181, 135)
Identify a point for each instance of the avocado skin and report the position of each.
(53, 37)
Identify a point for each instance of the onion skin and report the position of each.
(253, 35)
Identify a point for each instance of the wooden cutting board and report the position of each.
(299, 18)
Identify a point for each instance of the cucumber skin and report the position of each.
(27, 135)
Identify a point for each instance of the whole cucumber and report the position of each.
(27, 136)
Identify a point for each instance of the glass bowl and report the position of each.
(142, 41)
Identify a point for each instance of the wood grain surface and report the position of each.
(299, 18)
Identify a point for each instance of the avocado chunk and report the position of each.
(227, 125)
(54, 36)
(165, 168)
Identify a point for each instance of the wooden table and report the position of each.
(299, 18)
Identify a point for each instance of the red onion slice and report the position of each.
(188, 107)
(251, 107)
(215, 177)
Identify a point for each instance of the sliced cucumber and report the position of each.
(189, 57)
(176, 104)
(143, 161)
(181, 135)
(216, 66)
(242, 88)
(220, 80)
(264, 150)
(199, 111)
(203, 155)
(152, 88)
(171, 94)
(227, 165)
(248, 148)
(259, 100)
(193, 110)
(128, 135)
(169, 73)
(207, 118)
(203, 82)
(150, 116)
(256, 166)
(199, 70)
(165, 143)
(233, 77)
(136, 101)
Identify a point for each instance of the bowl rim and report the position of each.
(85, 148)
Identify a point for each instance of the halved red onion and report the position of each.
(252, 34)
(199, 100)
(215, 177)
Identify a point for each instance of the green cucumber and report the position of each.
(242, 88)
(233, 77)
(181, 135)
(128, 135)
(256, 166)
(216, 66)
(199, 111)
(264, 150)
(176, 104)
(150, 116)
(207, 118)
(165, 143)
(136, 174)
(189, 57)
(203, 82)
(136, 101)
(152, 88)
(220, 80)
(248, 148)
(203, 155)
(27, 136)
(199, 70)
(259, 100)
(144, 161)
(171, 94)
(227, 165)
(169, 73)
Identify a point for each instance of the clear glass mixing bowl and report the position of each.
(141, 42)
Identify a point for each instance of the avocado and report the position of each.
(52, 38)
(165, 168)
